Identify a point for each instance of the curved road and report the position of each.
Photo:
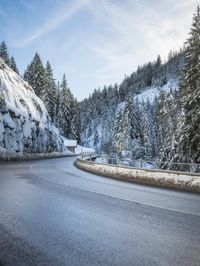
(54, 214)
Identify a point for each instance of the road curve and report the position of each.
(54, 214)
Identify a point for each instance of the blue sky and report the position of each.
(95, 42)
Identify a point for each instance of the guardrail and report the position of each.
(156, 177)
(143, 164)
(88, 156)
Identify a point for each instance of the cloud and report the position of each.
(55, 21)
(138, 32)
(27, 5)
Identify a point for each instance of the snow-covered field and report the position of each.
(184, 181)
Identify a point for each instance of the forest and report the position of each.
(153, 114)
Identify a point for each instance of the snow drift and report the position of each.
(25, 126)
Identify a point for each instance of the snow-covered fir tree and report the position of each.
(64, 113)
(50, 92)
(75, 122)
(148, 130)
(26, 75)
(4, 53)
(131, 130)
(13, 65)
(35, 76)
(189, 144)
(118, 128)
(166, 124)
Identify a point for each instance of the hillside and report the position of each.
(25, 126)
(132, 113)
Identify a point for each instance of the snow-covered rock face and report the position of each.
(25, 126)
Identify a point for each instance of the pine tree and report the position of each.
(131, 134)
(50, 92)
(189, 147)
(58, 97)
(75, 122)
(13, 65)
(35, 76)
(131, 119)
(64, 113)
(4, 53)
(26, 75)
(118, 128)
(147, 130)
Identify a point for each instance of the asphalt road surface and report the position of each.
(54, 214)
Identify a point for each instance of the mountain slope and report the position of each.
(25, 126)
(141, 114)
(101, 128)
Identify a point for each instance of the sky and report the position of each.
(94, 42)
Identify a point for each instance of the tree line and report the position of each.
(60, 103)
(167, 128)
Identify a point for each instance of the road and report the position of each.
(54, 214)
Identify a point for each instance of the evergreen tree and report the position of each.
(147, 130)
(4, 53)
(189, 147)
(13, 65)
(50, 92)
(75, 122)
(131, 119)
(35, 76)
(118, 128)
(131, 134)
(64, 113)
(26, 75)
(58, 97)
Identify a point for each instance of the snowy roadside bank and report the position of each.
(168, 179)
(12, 156)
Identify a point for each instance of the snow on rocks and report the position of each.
(25, 126)
(171, 179)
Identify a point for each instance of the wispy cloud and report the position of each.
(139, 32)
(27, 5)
(105, 40)
(55, 21)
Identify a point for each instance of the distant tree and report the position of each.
(13, 65)
(4, 53)
(75, 122)
(26, 75)
(147, 130)
(118, 128)
(50, 92)
(64, 112)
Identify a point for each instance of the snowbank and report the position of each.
(6, 155)
(170, 179)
